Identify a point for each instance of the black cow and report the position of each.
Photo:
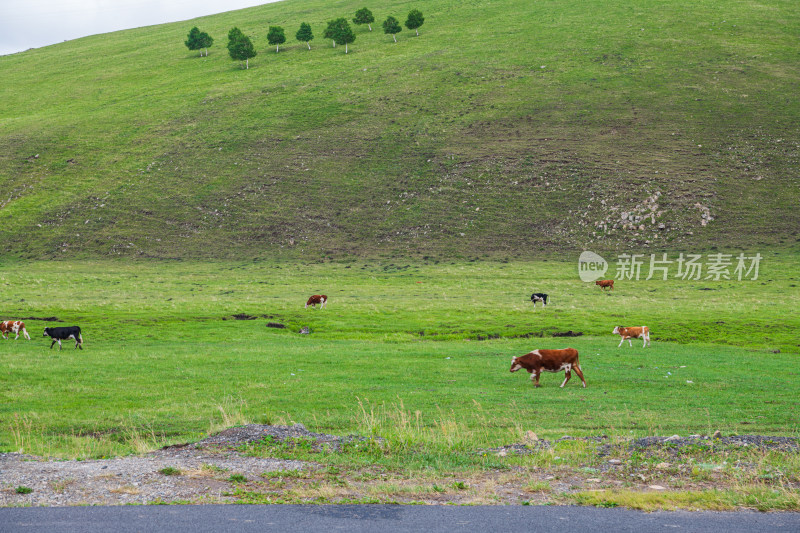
(539, 297)
(59, 334)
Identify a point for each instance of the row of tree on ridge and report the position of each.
(241, 48)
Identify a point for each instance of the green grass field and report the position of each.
(398, 345)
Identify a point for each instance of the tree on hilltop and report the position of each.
(364, 16)
(392, 26)
(240, 47)
(343, 33)
(304, 34)
(414, 20)
(276, 36)
(328, 33)
(197, 40)
(192, 38)
(205, 41)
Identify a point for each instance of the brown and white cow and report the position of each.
(605, 283)
(13, 326)
(317, 299)
(549, 361)
(642, 332)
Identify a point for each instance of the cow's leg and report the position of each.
(536, 374)
(24, 331)
(59, 345)
(567, 375)
(578, 371)
(52, 344)
(630, 342)
(620, 342)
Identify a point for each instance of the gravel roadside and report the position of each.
(130, 480)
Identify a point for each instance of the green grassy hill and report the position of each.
(507, 128)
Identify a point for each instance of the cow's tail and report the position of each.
(547, 299)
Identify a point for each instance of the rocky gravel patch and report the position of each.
(252, 433)
(200, 477)
(675, 442)
(196, 472)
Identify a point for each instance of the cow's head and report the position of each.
(616, 330)
(515, 365)
(46, 332)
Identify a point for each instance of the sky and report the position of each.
(33, 23)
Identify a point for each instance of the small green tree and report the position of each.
(304, 34)
(414, 20)
(328, 33)
(364, 16)
(192, 41)
(392, 26)
(343, 33)
(205, 41)
(276, 36)
(240, 47)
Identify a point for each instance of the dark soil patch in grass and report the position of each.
(536, 334)
(275, 325)
(244, 316)
(569, 333)
(42, 318)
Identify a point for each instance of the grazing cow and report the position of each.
(59, 334)
(539, 297)
(605, 283)
(633, 333)
(550, 361)
(317, 299)
(13, 326)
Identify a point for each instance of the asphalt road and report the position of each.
(384, 518)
